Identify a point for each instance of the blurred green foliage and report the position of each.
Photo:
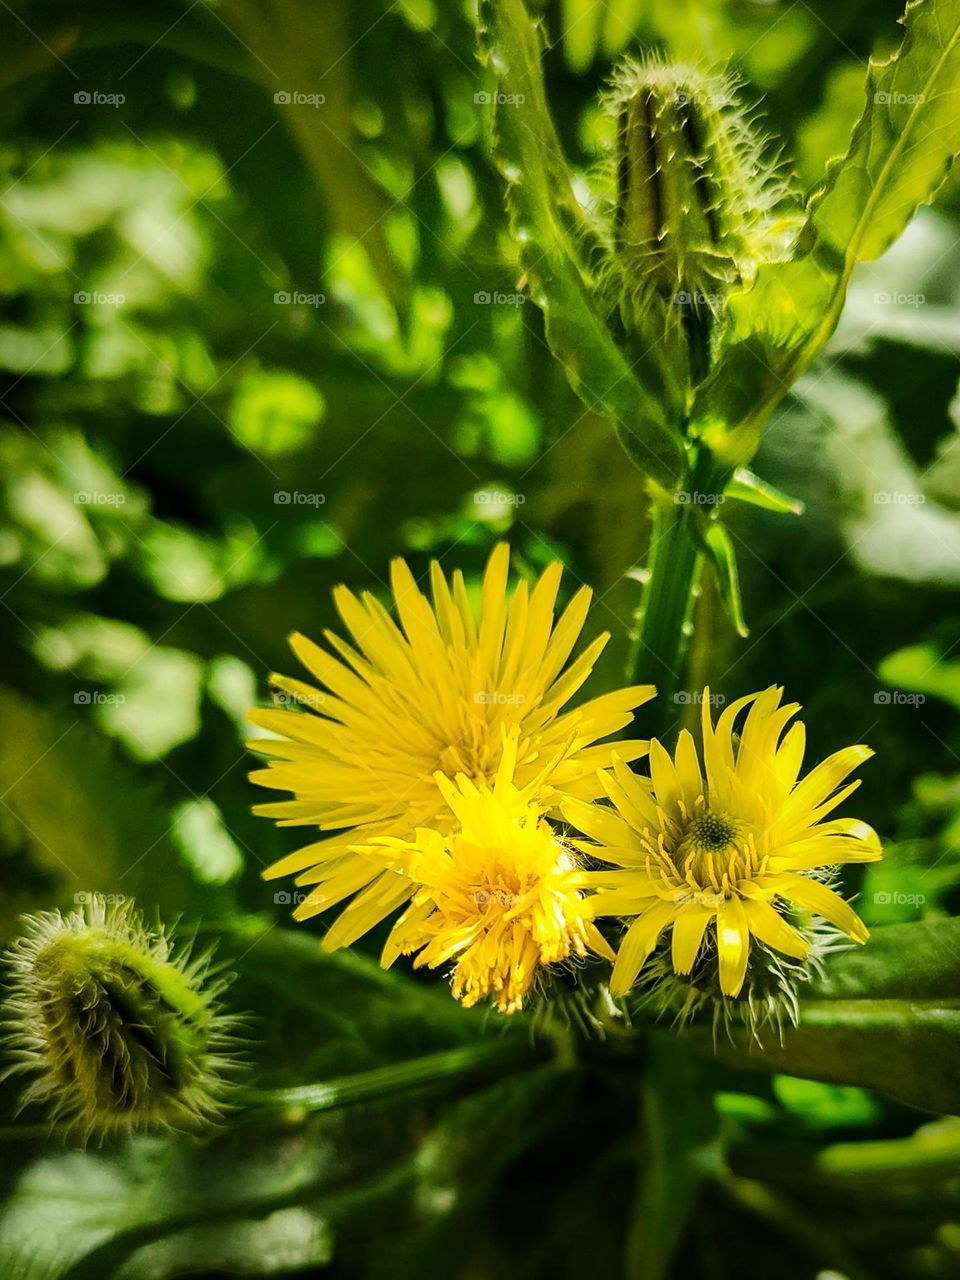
(253, 346)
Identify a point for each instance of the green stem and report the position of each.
(673, 570)
(673, 573)
(436, 1069)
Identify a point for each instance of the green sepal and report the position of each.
(717, 546)
(749, 488)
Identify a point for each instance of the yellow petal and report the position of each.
(822, 900)
(770, 927)
(688, 930)
(733, 945)
(638, 942)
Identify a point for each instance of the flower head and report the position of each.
(732, 857)
(118, 1032)
(405, 706)
(500, 895)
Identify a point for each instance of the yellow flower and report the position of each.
(734, 849)
(501, 895)
(434, 695)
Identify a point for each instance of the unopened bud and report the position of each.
(698, 204)
(117, 1030)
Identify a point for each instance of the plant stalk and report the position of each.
(658, 652)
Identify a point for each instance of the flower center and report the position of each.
(711, 853)
(710, 833)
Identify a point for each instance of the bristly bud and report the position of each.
(698, 204)
(770, 999)
(118, 1031)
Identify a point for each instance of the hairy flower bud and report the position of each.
(698, 205)
(117, 1031)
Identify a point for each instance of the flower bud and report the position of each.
(117, 1032)
(698, 205)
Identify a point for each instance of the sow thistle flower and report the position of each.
(117, 1030)
(500, 894)
(731, 860)
(408, 704)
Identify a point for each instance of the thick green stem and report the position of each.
(673, 571)
(417, 1074)
(658, 650)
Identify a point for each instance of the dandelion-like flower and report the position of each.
(732, 859)
(431, 698)
(117, 1031)
(501, 895)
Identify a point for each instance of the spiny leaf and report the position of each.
(900, 152)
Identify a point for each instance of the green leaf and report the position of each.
(553, 235)
(749, 488)
(900, 152)
(886, 1018)
(921, 669)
